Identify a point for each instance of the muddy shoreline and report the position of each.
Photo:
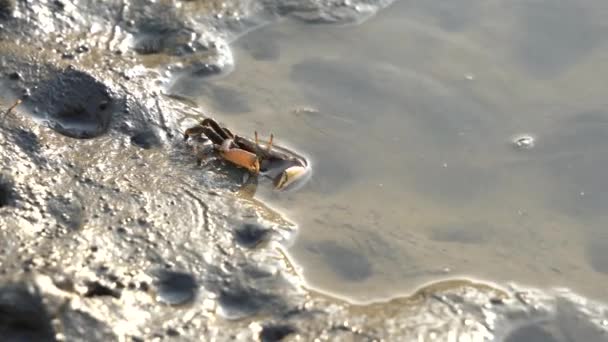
(110, 231)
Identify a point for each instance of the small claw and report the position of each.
(292, 178)
(255, 133)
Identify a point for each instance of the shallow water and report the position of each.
(410, 120)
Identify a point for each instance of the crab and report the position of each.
(285, 168)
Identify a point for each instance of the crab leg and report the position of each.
(213, 136)
(269, 147)
(223, 132)
(195, 130)
(10, 109)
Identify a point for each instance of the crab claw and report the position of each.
(292, 178)
(242, 158)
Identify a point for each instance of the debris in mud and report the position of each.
(523, 142)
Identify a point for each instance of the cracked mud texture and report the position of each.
(109, 230)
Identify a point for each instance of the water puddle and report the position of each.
(446, 141)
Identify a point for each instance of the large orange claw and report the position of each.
(242, 158)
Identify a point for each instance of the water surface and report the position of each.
(409, 120)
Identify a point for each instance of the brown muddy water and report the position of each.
(448, 139)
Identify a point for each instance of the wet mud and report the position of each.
(110, 231)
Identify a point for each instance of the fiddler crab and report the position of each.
(285, 168)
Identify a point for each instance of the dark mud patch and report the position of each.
(251, 235)
(175, 288)
(530, 333)
(6, 8)
(23, 316)
(7, 194)
(159, 28)
(346, 263)
(73, 103)
(80, 326)
(69, 211)
(240, 302)
(97, 289)
(147, 139)
(26, 140)
(275, 333)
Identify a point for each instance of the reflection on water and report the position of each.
(410, 121)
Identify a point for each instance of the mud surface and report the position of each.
(110, 231)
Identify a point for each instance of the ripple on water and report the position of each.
(73, 103)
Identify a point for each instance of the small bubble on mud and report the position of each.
(250, 235)
(523, 142)
(175, 288)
